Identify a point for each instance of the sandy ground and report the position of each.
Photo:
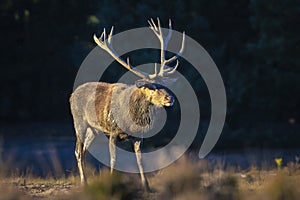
(12, 189)
(44, 191)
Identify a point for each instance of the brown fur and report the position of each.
(102, 106)
(139, 108)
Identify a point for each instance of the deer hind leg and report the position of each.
(80, 127)
(79, 153)
(89, 138)
(112, 152)
(138, 155)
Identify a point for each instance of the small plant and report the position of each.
(278, 162)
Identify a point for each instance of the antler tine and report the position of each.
(155, 68)
(104, 35)
(173, 69)
(164, 43)
(110, 35)
(158, 25)
(168, 37)
(154, 25)
(150, 25)
(105, 44)
(98, 40)
(180, 51)
(128, 61)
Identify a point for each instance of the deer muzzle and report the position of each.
(169, 101)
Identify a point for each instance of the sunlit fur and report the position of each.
(158, 97)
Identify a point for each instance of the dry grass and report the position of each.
(185, 179)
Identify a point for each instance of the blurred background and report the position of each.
(255, 44)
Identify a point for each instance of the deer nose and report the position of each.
(170, 100)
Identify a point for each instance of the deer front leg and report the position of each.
(112, 152)
(138, 155)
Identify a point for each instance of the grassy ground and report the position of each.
(184, 179)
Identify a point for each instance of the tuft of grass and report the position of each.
(109, 186)
(293, 168)
(227, 188)
(254, 177)
(282, 187)
(9, 193)
(189, 180)
(177, 179)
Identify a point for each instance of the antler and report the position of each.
(106, 44)
(165, 69)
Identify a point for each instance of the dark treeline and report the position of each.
(255, 44)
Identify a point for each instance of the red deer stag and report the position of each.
(92, 103)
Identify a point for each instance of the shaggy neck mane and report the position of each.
(140, 108)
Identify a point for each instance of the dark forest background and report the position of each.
(255, 44)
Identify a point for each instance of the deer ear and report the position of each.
(145, 83)
(141, 83)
